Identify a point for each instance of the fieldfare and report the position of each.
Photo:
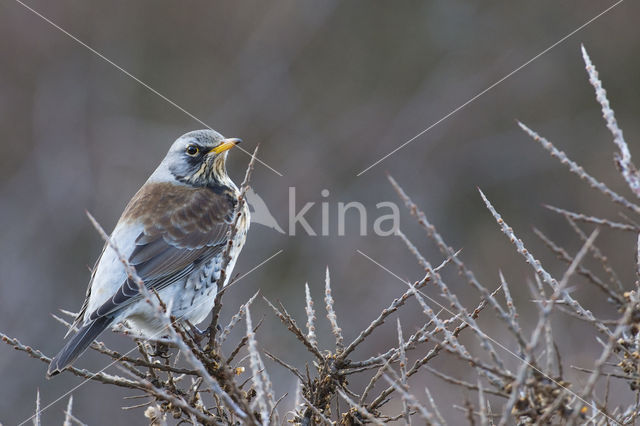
(174, 232)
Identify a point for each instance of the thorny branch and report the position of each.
(517, 376)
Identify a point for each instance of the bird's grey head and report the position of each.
(198, 158)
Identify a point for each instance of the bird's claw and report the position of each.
(160, 350)
(196, 334)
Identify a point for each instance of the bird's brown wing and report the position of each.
(183, 227)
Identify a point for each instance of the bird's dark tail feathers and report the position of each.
(78, 344)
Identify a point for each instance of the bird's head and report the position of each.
(198, 158)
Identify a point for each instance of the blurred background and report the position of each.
(326, 89)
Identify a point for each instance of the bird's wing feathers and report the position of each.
(83, 309)
(183, 227)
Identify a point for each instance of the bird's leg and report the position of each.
(160, 350)
(196, 330)
(196, 334)
(218, 330)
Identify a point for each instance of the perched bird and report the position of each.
(174, 232)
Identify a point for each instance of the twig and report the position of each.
(598, 255)
(243, 342)
(255, 363)
(311, 317)
(285, 365)
(379, 320)
(99, 377)
(226, 254)
(575, 168)
(68, 413)
(433, 233)
(331, 314)
(235, 319)
(462, 383)
(611, 344)
(36, 419)
(558, 291)
(565, 257)
(542, 273)
(293, 327)
(317, 412)
(482, 403)
(412, 401)
(627, 168)
(434, 406)
(363, 411)
(402, 358)
(593, 220)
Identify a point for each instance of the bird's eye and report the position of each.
(192, 150)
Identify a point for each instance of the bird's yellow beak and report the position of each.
(226, 145)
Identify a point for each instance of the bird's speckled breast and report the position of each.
(193, 298)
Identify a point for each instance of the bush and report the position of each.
(201, 384)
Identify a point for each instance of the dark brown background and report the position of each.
(326, 88)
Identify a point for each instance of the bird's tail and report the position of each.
(78, 344)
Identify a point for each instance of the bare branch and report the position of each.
(575, 168)
(627, 168)
(293, 327)
(593, 220)
(331, 314)
(311, 317)
(256, 366)
(542, 273)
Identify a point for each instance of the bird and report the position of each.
(174, 232)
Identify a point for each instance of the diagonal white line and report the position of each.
(253, 269)
(73, 389)
(133, 77)
(491, 87)
(486, 335)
